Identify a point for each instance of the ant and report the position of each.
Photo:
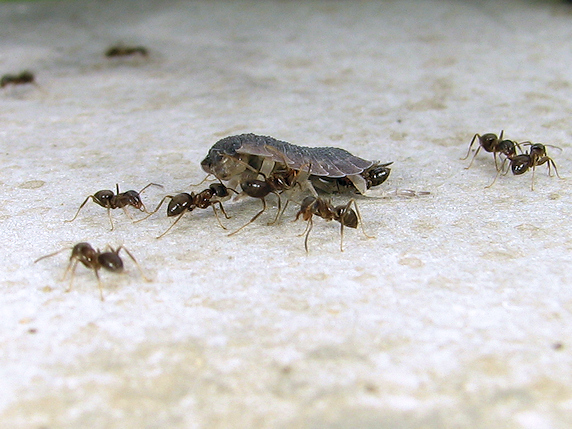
(281, 179)
(491, 143)
(95, 260)
(109, 200)
(184, 202)
(124, 51)
(520, 164)
(323, 208)
(16, 79)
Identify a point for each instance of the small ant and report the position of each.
(491, 143)
(280, 180)
(95, 260)
(124, 51)
(323, 208)
(520, 164)
(109, 200)
(16, 79)
(184, 202)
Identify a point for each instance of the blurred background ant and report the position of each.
(492, 144)
(94, 260)
(126, 51)
(344, 214)
(17, 79)
(109, 200)
(520, 164)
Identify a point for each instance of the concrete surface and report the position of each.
(458, 313)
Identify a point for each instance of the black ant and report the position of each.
(184, 202)
(109, 200)
(125, 51)
(95, 260)
(17, 79)
(280, 180)
(323, 208)
(491, 143)
(520, 164)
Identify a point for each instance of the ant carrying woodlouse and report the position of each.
(520, 164)
(493, 144)
(125, 51)
(119, 200)
(280, 180)
(323, 208)
(184, 202)
(17, 79)
(95, 260)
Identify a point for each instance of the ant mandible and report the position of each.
(323, 208)
(493, 144)
(184, 202)
(520, 164)
(119, 200)
(95, 260)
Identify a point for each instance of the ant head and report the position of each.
(133, 199)
(104, 197)
(179, 203)
(507, 147)
(83, 251)
(520, 164)
(538, 149)
(219, 189)
(111, 261)
(347, 217)
(376, 174)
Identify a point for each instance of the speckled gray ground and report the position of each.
(458, 313)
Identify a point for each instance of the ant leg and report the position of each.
(222, 210)
(253, 219)
(110, 219)
(71, 268)
(470, 146)
(498, 174)
(309, 227)
(216, 214)
(147, 279)
(127, 214)
(279, 210)
(172, 225)
(81, 207)
(550, 161)
(154, 211)
(532, 183)
(99, 286)
(359, 218)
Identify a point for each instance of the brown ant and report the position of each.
(125, 51)
(95, 260)
(17, 79)
(109, 200)
(323, 208)
(520, 164)
(491, 143)
(184, 202)
(281, 179)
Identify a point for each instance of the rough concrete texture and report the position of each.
(458, 313)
